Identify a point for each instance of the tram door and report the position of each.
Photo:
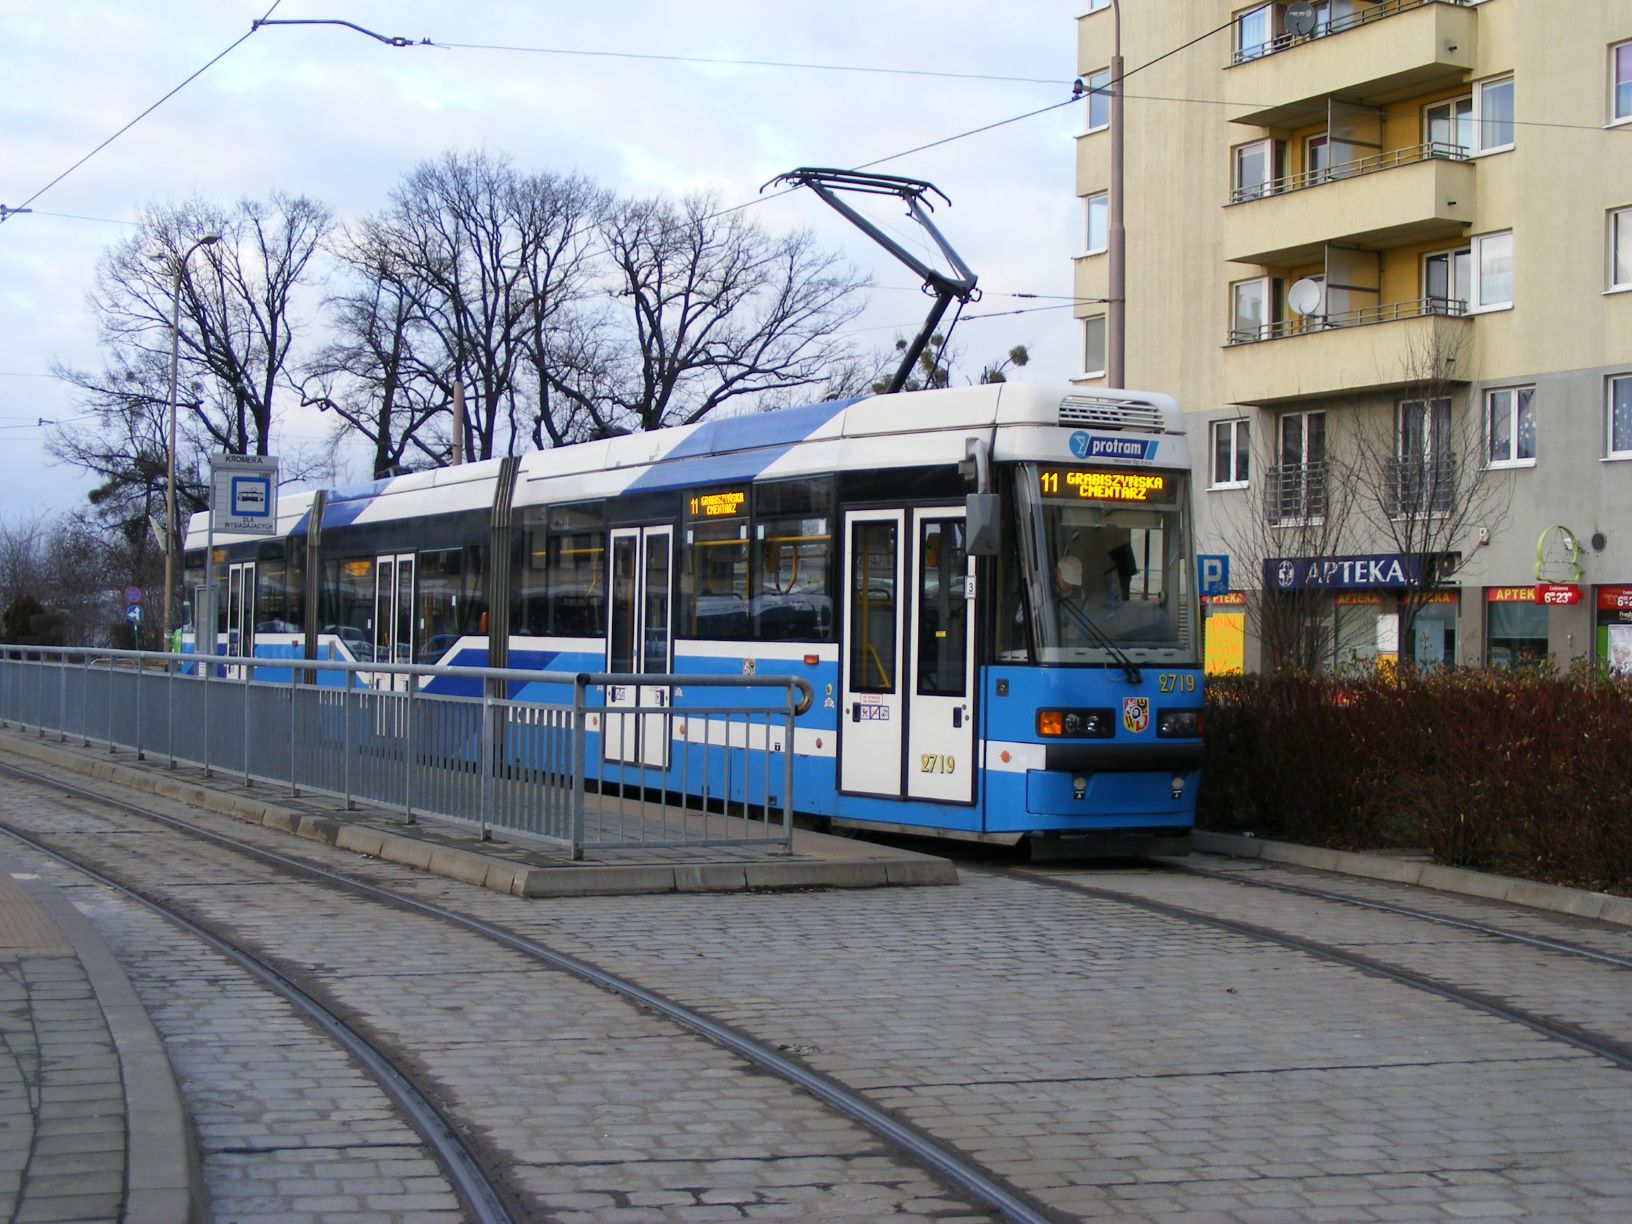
(393, 615)
(639, 629)
(907, 726)
(240, 624)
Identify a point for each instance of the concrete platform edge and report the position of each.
(162, 1179)
(1551, 897)
(873, 870)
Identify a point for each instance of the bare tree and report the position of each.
(235, 334)
(474, 264)
(705, 307)
(1422, 476)
(1305, 510)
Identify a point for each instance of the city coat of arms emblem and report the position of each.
(1136, 713)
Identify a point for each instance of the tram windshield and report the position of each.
(1106, 554)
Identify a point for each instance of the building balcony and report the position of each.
(1378, 54)
(1357, 352)
(1420, 194)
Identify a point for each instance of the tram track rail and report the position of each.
(1618, 1053)
(946, 1163)
(1596, 955)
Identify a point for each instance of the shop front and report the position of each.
(1613, 629)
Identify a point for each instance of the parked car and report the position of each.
(355, 641)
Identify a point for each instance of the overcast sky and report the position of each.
(329, 113)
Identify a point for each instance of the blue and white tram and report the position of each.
(988, 588)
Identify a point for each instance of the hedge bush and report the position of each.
(1526, 774)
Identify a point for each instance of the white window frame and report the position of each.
(1266, 325)
(1449, 105)
(1100, 200)
(1088, 325)
(1479, 145)
(1239, 432)
(1323, 142)
(1476, 277)
(1099, 79)
(1619, 235)
(1459, 292)
(1616, 114)
(1611, 451)
(1306, 462)
(1258, 49)
(1516, 398)
(1270, 150)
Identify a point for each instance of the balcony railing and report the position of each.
(1295, 492)
(1420, 486)
(1324, 27)
(1309, 324)
(1351, 169)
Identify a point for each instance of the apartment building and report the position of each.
(1382, 253)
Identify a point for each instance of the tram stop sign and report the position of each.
(244, 494)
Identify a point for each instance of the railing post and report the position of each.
(294, 753)
(580, 739)
(787, 769)
(140, 661)
(62, 700)
(246, 673)
(170, 708)
(489, 738)
(206, 672)
(345, 718)
(408, 749)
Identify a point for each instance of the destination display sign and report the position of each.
(1104, 485)
(718, 505)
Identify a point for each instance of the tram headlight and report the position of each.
(1075, 724)
(1185, 724)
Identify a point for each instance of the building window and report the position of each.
(1297, 486)
(1317, 159)
(1493, 114)
(1257, 167)
(1093, 346)
(1449, 125)
(1250, 311)
(1254, 29)
(1424, 474)
(1099, 100)
(1480, 122)
(1620, 82)
(1515, 628)
(1231, 446)
(1099, 214)
(1620, 416)
(1620, 249)
(1493, 271)
(1096, 6)
(1447, 280)
(1510, 418)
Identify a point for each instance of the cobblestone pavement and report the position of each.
(599, 1110)
(1116, 1064)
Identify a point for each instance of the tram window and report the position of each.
(714, 573)
(792, 596)
(561, 581)
(943, 609)
(451, 599)
(347, 598)
(280, 594)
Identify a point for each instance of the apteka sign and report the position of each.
(1386, 571)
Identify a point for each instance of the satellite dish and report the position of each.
(1300, 19)
(1306, 297)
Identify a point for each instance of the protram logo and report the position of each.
(1085, 445)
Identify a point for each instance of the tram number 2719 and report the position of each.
(937, 763)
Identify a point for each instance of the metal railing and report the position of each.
(1295, 492)
(1325, 27)
(513, 769)
(1390, 312)
(1354, 168)
(1419, 486)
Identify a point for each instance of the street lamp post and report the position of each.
(1116, 236)
(170, 531)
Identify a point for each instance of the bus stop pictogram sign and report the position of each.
(244, 494)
